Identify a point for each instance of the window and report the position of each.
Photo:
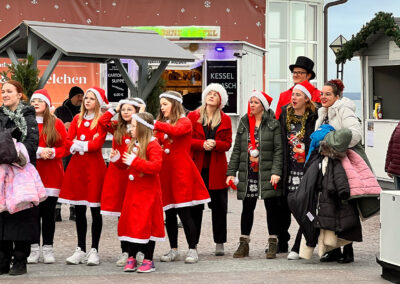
(277, 20)
(298, 20)
(277, 63)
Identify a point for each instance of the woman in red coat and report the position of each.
(141, 222)
(84, 177)
(52, 139)
(181, 183)
(113, 192)
(211, 139)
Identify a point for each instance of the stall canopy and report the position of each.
(67, 42)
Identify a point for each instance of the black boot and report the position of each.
(333, 255)
(4, 263)
(57, 215)
(72, 215)
(18, 264)
(348, 254)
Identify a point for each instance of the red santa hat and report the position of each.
(43, 95)
(100, 95)
(223, 95)
(266, 102)
(306, 87)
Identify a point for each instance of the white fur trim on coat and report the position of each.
(217, 88)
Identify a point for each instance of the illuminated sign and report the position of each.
(181, 32)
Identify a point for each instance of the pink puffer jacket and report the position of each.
(20, 187)
(360, 177)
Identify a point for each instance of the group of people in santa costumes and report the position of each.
(174, 164)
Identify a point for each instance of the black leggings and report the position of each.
(146, 249)
(272, 206)
(188, 223)
(46, 216)
(81, 226)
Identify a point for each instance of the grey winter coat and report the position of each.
(270, 157)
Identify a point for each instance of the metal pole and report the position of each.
(334, 3)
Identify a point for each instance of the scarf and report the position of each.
(18, 118)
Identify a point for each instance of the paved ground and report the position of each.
(225, 269)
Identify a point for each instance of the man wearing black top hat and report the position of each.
(66, 112)
(302, 70)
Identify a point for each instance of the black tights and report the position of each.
(81, 226)
(146, 249)
(189, 226)
(46, 215)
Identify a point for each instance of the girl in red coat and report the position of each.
(112, 194)
(52, 139)
(211, 139)
(84, 177)
(141, 222)
(181, 183)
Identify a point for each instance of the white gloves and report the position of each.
(128, 161)
(83, 144)
(116, 157)
(75, 147)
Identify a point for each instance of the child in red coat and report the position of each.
(141, 222)
(181, 182)
(84, 177)
(52, 140)
(113, 192)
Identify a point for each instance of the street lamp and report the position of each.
(337, 46)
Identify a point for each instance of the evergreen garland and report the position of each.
(382, 21)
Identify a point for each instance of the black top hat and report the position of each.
(305, 63)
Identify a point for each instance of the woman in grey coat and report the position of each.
(257, 156)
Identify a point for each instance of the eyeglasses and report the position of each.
(296, 73)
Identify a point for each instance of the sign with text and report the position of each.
(181, 32)
(117, 89)
(224, 72)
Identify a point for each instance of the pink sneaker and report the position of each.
(131, 265)
(147, 266)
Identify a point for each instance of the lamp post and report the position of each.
(336, 46)
(327, 6)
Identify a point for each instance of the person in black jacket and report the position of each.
(18, 230)
(66, 112)
(297, 123)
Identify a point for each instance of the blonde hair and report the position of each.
(203, 119)
(310, 105)
(49, 132)
(121, 127)
(97, 114)
(143, 135)
(176, 109)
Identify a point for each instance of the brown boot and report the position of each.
(272, 248)
(243, 249)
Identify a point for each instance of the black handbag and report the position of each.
(8, 153)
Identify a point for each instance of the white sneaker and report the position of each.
(35, 254)
(78, 257)
(48, 256)
(172, 255)
(192, 256)
(122, 259)
(93, 257)
(139, 258)
(219, 249)
(293, 256)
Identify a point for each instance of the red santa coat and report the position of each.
(286, 96)
(223, 138)
(51, 171)
(83, 179)
(181, 182)
(142, 213)
(115, 182)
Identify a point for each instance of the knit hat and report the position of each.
(100, 95)
(223, 95)
(317, 136)
(44, 96)
(266, 102)
(339, 140)
(75, 90)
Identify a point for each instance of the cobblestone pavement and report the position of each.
(222, 269)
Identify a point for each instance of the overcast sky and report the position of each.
(347, 19)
